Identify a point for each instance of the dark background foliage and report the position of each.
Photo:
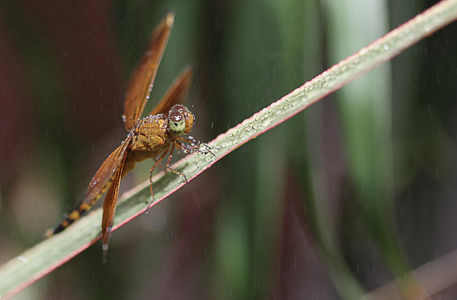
(315, 208)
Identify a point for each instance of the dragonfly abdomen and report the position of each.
(76, 213)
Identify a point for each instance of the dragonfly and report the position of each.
(154, 136)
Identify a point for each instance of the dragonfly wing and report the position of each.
(105, 175)
(175, 94)
(97, 187)
(109, 205)
(143, 77)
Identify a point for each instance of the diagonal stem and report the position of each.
(41, 259)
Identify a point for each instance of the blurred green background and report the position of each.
(337, 201)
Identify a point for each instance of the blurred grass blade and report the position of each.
(366, 110)
(435, 276)
(41, 259)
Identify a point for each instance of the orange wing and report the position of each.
(109, 205)
(104, 177)
(142, 80)
(98, 185)
(175, 94)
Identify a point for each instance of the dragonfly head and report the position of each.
(180, 120)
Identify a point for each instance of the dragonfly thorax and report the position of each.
(150, 133)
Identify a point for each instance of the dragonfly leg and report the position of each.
(150, 175)
(193, 146)
(169, 163)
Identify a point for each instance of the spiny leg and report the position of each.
(169, 162)
(150, 175)
(195, 146)
(162, 156)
